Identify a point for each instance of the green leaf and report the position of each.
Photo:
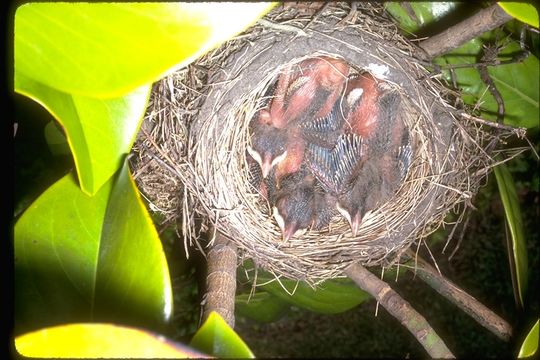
(100, 131)
(56, 140)
(261, 306)
(109, 49)
(100, 341)
(215, 337)
(524, 12)
(530, 344)
(518, 246)
(413, 16)
(330, 297)
(519, 87)
(517, 83)
(82, 258)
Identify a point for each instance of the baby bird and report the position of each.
(311, 93)
(361, 194)
(276, 138)
(268, 127)
(294, 203)
(373, 114)
(268, 143)
(376, 181)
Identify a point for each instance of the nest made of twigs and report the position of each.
(195, 136)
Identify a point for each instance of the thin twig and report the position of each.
(461, 237)
(520, 132)
(317, 14)
(490, 55)
(520, 57)
(351, 16)
(401, 310)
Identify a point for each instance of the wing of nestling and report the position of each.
(320, 162)
(404, 155)
(347, 156)
(323, 131)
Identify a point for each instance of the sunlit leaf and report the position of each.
(522, 11)
(530, 344)
(81, 258)
(412, 16)
(109, 49)
(100, 341)
(215, 337)
(517, 243)
(100, 131)
(261, 306)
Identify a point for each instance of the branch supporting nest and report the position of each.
(221, 280)
(401, 310)
(460, 298)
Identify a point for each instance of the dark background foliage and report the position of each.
(479, 266)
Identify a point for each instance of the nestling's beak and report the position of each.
(289, 231)
(354, 221)
(355, 224)
(266, 166)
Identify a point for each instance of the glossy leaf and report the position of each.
(81, 258)
(100, 131)
(261, 306)
(530, 344)
(412, 16)
(517, 83)
(100, 341)
(517, 244)
(109, 49)
(524, 12)
(330, 297)
(56, 140)
(215, 337)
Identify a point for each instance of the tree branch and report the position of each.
(455, 36)
(464, 301)
(400, 309)
(221, 279)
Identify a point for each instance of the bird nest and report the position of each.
(192, 161)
